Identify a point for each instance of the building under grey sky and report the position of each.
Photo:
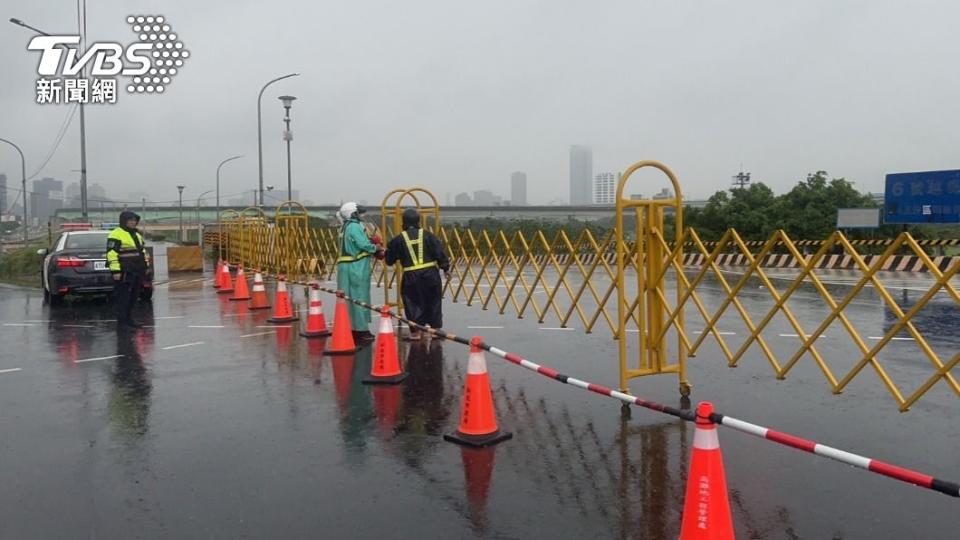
(439, 87)
(518, 189)
(581, 175)
(605, 188)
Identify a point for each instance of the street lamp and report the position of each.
(23, 181)
(260, 130)
(180, 189)
(218, 187)
(288, 136)
(198, 206)
(83, 125)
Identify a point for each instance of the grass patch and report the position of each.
(21, 266)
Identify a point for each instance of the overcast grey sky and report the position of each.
(457, 95)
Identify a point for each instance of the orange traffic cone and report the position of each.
(478, 422)
(342, 332)
(282, 311)
(259, 293)
(240, 290)
(216, 274)
(386, 366)
(706, 510)
(226, 283)
(316, 323)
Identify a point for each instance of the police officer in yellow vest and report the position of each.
(422, 258)
(129, 264)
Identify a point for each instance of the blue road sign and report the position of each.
(922, 197)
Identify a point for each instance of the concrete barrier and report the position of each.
(184, 259)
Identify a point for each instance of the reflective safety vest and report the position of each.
(125, 252)
(416, 256)
(344, 258)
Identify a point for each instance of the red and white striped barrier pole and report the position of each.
(873, 465)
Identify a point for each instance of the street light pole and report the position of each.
(23, 182)
(260, 130)
(198, 205)
(83, 124)
(288, 136)
(218, 186)
(180, 189)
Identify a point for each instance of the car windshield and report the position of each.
(87, 241)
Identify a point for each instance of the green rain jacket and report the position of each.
(353, 271)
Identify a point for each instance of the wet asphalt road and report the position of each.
(213, 423)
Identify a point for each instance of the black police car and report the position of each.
(77, 264)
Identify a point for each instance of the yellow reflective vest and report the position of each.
(125, 252)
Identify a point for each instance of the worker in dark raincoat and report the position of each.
(129, 264)
(422, 257)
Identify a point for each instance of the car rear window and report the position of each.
(87, 241)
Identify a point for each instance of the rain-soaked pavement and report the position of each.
(212, 423)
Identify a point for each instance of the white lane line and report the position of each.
(78, 326)
(38, 321)
(181, 346)
(100, 320)
(18, 324)
(206, 326)
(172, 317)
(721, 333)
(275, 326)
(259, 334)
(552, 328)
(485, 327)
(11, 370)
(96, 359)
(197, 280)
(798, 335)
(878, 338)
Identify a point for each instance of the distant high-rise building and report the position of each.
(463, 199)
(47, 197)
(97, 193)
(518, 189)
(665, 193)
(485, 197)
(3, 194)
(581, 175)
(605, 188)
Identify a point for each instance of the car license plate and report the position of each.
(99, 265)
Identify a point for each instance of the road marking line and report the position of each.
(78, 326)
(721, 333)
(276, 326)
(206, 326)
(878, 338)
(798, 335)
(172, 317)
(100, 320)
(18, 324)
(11, 370)
(197, 280)
(181, 346)
(38, 321)
(96, 359)
(259, 334)
(485, 327)
(551, 328)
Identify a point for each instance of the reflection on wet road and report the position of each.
(211, 422)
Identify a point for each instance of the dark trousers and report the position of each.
(125, 295)
(422, 297)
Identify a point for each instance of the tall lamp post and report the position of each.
(23, 182)
(83, 125)
(260, 129)
(200, 198)
(180, 189)
(288, 136)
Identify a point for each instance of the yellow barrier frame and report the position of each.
(396, 214)
(649, 309)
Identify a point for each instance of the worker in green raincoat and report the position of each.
(354, 266)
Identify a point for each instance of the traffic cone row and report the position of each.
(478, 421)
(240, 290)
(316, 323)
(282, 311)
(706, 510)
(259, 300)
